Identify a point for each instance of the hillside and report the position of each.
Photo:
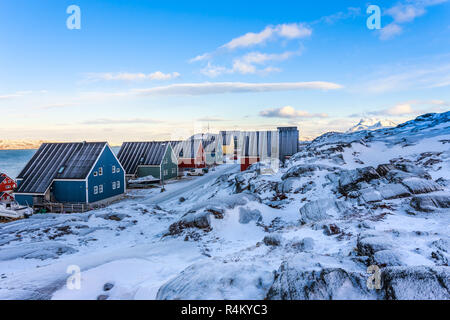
(345, 202)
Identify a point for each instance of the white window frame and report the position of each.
(95, 189)
(113, 169)
(100, 171)
(117, 169)
(95, 173)
(118, 184)
(100, 188)
(114, 185)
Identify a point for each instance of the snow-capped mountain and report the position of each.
(345, 203)
(372, 124)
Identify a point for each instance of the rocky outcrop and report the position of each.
(291, 283)
(430, 203)
(199, 220)
(416, 283)
(322, 209)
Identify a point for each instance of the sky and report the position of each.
(157, 70)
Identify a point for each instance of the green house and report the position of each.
(154, 160)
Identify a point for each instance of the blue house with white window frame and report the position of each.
(71, 173)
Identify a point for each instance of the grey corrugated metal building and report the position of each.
(287, 142)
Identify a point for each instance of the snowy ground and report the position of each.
(309, 231)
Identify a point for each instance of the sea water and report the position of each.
(13, 161)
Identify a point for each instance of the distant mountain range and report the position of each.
(372, 124)
(20, 144)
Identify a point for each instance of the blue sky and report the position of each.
(142, 70)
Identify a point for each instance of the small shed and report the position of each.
(154, 159)
(71, 173)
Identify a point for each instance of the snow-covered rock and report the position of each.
(416, 283)
(215, 279)
(246, 215)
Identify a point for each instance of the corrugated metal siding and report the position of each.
(43, 167)
(288, 141)
(133, 154)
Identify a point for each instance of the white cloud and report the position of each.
(390, 31)
(235, 87)
(331, 19)
(288, 31)
(403, 13)
(246, 64)
(9, 96)
(290, 112)
(106, 121)
(410, 76)
(201, 57)
(412, 107)
(400, 109)
(125, 76)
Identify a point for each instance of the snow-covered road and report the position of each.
(177, 189)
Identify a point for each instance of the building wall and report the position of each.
(247, 162)
(169, 164)
(24, 199)
(106, 161)
(71, 191)
(144, 171)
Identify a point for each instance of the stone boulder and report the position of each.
(430, 203)
(246, 215)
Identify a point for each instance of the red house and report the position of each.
(6, 183)
(7, 186)
(190, 153)
(6, 197)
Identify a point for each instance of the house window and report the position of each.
(95, 190)
(113, 169)
(95, 173)
(61, 170)
(173, 170)
(166, 172)
(118, 184)
(100, 188)
(100, 171)
(117, 170)
(114, 185)
(8, 187)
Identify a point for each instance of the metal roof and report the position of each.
(58, 161)
(188, 147)
(133, 154)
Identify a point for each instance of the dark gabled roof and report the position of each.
(2, 178)
(133, 154)
(77, 158)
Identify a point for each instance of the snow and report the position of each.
(372, 124)
(332, 211)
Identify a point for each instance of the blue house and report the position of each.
(81, 173)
